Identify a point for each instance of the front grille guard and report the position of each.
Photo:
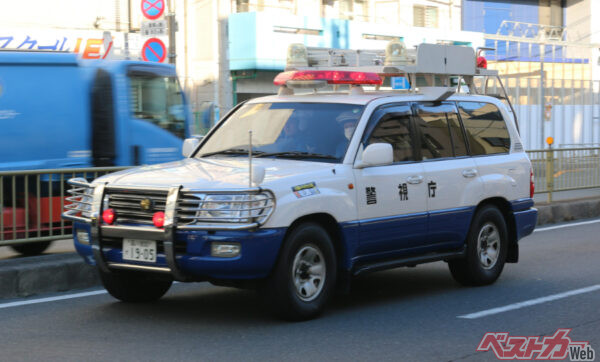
(167, 234)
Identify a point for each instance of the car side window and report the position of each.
(440, 133)
(485, 128)
(395, 129)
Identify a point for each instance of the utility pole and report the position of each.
(172, 26)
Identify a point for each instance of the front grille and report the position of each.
(128, 205)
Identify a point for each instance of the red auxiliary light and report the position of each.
(531, 184)
(481, 62)
(158, 219)
(330, 76)
(108, 216)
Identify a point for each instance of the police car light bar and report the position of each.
(318, 78)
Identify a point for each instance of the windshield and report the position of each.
(158, 100)
(312, 131)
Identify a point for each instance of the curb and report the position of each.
(569, 210)
(23, 277)
(27, 276)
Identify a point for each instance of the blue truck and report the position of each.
(58, 111)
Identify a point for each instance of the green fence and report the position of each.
(565, 169)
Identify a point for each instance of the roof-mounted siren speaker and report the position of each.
(297, 56)
(396, 54)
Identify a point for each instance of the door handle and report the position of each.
(471, 172)
(414, 179)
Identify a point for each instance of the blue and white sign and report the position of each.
(399, 83)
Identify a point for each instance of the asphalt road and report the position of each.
(408, 314)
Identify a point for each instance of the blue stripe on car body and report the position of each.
(362, 240)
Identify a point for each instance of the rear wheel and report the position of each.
(32, 248)
(487, 245)
(135, 287)
(304, 278)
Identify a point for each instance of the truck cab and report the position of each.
(58, 111)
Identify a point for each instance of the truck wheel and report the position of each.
(487, 245)
(32, 248)
(134, 287)
(304, 277)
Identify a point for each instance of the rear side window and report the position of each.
(485, 128)
(395, 129)
(440, 132)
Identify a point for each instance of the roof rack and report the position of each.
(446, 67)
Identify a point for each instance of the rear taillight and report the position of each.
(531, 184)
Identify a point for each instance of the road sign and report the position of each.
(400, 83)
(154, 28)
(154, 50)
(153, 9)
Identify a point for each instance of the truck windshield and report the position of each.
(311, 131)
(158, 100)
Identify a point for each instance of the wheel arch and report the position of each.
(332, 227)
(505, 208)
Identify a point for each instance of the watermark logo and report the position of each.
(559, 346)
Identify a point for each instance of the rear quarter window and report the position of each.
(485, 128)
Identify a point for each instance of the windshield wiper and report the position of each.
(233, 151)
(297, 154)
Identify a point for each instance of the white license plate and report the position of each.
(139, 250)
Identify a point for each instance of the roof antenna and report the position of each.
(250, 158)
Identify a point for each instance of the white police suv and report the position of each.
(293, 194)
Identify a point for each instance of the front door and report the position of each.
(392, 200)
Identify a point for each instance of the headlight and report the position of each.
(232, 208)
(228, 208)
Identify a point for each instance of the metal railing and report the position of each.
(565, 169)
(31, 203)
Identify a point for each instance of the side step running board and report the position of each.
(421, 259)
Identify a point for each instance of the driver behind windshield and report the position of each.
(310, 131)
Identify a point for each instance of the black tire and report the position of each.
(472, 270)
(135, 287)
(308, 243)
(32, 248)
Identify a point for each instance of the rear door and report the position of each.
(392, 203)
(452, 180)
(504, 175)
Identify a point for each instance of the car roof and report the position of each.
(368, 96)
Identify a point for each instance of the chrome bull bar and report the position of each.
(166, 234)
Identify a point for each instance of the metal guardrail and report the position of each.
(32, 201)
(565, 169)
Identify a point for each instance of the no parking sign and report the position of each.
(154, 50)
(153, 9)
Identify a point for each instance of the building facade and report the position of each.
(228, 51)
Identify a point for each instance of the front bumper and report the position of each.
(182, 251)
(192, 253)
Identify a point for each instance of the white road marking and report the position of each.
(528, 303)
(567, 225)
(51, 299)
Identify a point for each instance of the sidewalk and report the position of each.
(60, 269)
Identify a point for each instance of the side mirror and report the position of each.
(377, 154)
(189, 145)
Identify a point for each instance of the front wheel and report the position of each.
(487, 245)
(303, 280)
(31, 249)
(134, 287)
